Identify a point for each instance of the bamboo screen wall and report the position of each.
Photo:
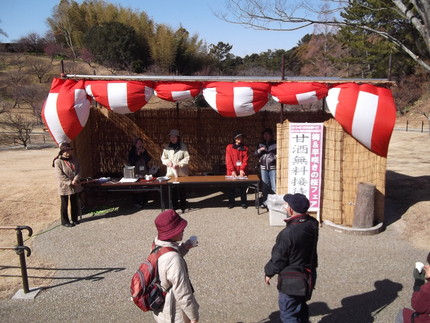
(346, 164)
(103, 145)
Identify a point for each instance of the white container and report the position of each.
(277, 213)
(128, 172)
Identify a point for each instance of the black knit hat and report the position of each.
(298, 202)
(237, 134)
(268, 130)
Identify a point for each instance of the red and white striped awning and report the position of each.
(121, 96)
(236, 99)
(66, 110)
(177, 91)
(298, 93)
(365, 111)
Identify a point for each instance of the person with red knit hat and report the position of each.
(180, 304)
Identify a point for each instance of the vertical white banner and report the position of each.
(305, 160)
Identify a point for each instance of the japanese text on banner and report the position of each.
(305, 159)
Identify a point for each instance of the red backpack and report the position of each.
(145, 288)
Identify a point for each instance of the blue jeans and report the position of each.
(268, 177)
(293, 309)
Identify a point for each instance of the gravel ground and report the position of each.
(360, 278)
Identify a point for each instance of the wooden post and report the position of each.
(283, 78)
(364, 211)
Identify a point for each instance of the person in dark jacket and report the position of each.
(266, 153)
(295, 259)
(139, 158)
(420, 301)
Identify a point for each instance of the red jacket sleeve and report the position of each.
(229, 165)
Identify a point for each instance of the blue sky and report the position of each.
(19, 18)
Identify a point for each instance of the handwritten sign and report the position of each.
(304, 161)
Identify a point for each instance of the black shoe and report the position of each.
(230, 206)
(69, 225)
(76, 222)
(244, 206)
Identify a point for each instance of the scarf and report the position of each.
(176, 147)
(239, 147)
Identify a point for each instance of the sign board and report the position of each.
(304, 161)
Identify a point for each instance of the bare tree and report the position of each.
(4, 107)
(15, 80)
(19, 62)
(12, 85)
(34, 95)
(64, 25)
(33, 42)
(20, 127)
(39, 67)
(283, 15)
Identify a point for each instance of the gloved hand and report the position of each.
(419, 279)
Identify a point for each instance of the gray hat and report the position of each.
(174, 132)
(64, 146)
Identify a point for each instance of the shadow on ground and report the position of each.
(361, 308)
(402, 192)
(89, 274)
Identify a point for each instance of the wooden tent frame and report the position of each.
(340, 206)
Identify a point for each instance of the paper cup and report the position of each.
(419, 266)
(194, 241)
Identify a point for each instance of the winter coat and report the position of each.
(139, 161)
(180, 304)
(295, 247)
(267, 157)
(236, 159)
(180, 157)
(420, 304)
(68, 170)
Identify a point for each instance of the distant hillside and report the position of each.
(16, 71)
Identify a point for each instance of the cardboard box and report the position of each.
(276, 218)
(277, 214)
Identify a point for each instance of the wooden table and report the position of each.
(114, 185)
(215, 181)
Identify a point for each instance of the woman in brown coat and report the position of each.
(68, 171)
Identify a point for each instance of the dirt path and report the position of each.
(28, 197)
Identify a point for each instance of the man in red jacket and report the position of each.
(420, 312)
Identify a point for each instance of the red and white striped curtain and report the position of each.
(367, 112)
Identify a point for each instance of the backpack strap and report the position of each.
(160, 250)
